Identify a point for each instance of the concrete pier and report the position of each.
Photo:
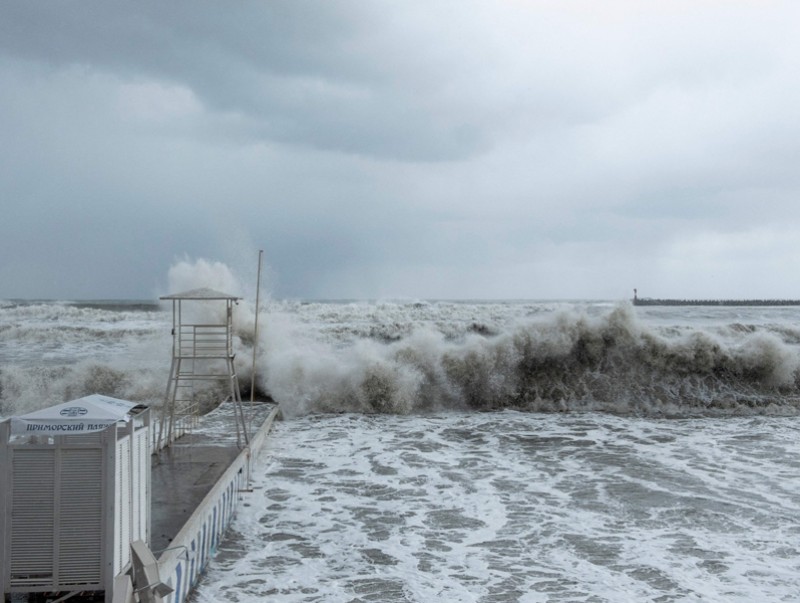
(197, 486)
(181, 477)
(185, 472)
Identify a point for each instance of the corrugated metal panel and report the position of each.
(80, 517)
(141, 468)
(90, 439)
(32, 517)
(57, 538)
(122, 506)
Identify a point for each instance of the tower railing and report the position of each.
(204, 341)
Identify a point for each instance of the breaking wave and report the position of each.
(417, 356)
(566, 360)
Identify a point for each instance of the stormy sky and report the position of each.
(402, 149)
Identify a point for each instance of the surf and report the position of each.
(418, 356)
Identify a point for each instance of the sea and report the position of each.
(477, 451)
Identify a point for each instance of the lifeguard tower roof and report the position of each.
(203, 293)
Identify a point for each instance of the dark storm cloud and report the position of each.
(446, 149)
(293, 72)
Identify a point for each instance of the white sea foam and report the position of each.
(517, 507)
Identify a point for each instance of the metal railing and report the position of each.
(204, 341)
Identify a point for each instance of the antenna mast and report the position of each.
(255, 329)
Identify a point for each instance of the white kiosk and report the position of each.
(74, 493)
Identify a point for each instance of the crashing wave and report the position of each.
(385, 357)
(567, 361)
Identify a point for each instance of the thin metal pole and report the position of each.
(255, 333)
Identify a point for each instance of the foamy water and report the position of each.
(411, 357)
(422, 357)
(511, 506)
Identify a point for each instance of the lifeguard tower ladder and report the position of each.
(202, 351)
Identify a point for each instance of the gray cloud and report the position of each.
(454, 149)
(295, 73)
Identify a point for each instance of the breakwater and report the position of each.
(646, 301)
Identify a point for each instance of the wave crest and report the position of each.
(566, 361)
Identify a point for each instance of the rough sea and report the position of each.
(478, 451)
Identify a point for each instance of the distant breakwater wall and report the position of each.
(639, 301)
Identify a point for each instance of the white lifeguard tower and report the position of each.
(202, 352)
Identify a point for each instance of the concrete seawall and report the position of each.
(182, 564)
(646, 301)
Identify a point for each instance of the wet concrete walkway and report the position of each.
(185, 472)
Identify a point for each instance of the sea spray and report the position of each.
(406, 357)
(567, 360)
(187, 274)
(764, 358)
